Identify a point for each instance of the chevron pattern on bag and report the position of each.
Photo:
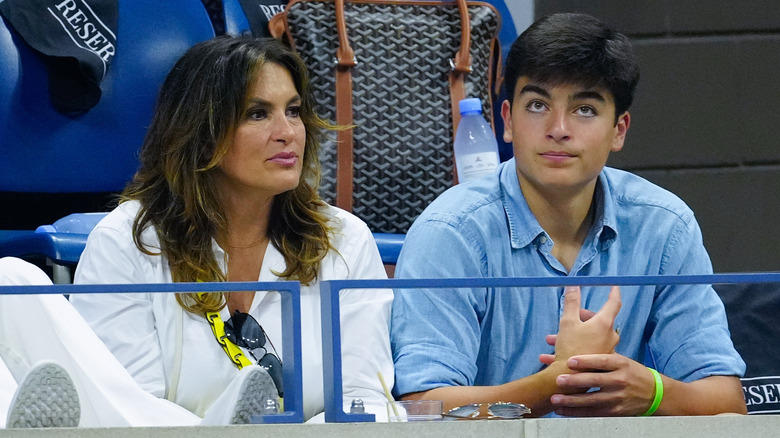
(401, 103)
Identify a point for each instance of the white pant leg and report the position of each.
(47, 327)
(14, 271)
(7, 389)
(39, 327)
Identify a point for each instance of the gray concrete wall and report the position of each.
(706, 117)
(766, 426)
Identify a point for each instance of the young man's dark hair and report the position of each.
(574, 48)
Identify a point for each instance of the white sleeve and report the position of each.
(365, 316)
(124, 322)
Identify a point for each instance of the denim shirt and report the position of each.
(489, 336)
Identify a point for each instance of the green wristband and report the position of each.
(659, 393)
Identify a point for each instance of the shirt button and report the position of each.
(543, 239)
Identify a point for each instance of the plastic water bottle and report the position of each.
(476, 149)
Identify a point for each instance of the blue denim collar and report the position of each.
(524, 229)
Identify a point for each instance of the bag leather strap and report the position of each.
(345, 60)
(461, 65)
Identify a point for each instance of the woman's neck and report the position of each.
(245, 242)
(246, 222)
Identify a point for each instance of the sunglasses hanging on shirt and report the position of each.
(242, 330)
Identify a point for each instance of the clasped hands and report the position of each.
(594, 381)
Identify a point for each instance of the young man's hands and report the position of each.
(586, 344)
(582, 331)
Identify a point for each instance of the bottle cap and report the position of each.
(471, 105)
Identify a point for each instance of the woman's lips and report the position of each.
(285, 158)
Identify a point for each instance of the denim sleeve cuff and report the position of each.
(710, 353)
(421, 367)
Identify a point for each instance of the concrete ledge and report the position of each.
(766, 426)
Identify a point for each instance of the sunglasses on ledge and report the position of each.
(244, 330)
(487, 411)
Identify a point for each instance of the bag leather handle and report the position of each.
(345, 56)
(345, 60)
(462, 61)
(461, 66)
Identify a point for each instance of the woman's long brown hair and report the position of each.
(200, 104)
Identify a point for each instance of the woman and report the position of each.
(227, 191)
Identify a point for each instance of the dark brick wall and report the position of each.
(706, 118)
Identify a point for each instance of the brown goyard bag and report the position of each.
(395, 70)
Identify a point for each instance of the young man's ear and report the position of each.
(621, 127)
(506, 114)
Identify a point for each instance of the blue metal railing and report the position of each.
(290, 292)
(331, 331)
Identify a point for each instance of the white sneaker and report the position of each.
(46, 397)
(256, 389)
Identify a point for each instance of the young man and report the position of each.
(556, 210)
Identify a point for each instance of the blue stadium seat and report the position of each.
(389, 246)
(63, 242)
(9, 70)
(236, 22)
(45, 151)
